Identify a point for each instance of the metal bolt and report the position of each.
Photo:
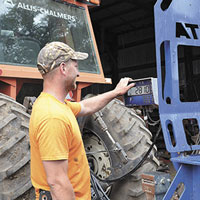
(162, 181)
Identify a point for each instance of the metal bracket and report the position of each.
(116, 147)
(28, 103)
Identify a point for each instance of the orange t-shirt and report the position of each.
(55, 135)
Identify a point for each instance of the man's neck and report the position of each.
(55, 86)
(60, 96)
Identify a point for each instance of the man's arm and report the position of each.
(57, 179)
(94, 104)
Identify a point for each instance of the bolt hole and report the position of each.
(165, 4)
(171, 133)
(168, 100)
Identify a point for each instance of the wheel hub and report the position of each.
(98, 156)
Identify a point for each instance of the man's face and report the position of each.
(72, 74)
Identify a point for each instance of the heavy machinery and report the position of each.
(116, 138)
(177, 52)
(177, 56)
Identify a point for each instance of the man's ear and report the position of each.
(63, 68)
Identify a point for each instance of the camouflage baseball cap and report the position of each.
(51, 55)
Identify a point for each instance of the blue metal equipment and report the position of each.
(177, 25)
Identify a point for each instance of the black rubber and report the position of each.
(15, 183)
(127, 128)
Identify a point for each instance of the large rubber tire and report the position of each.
(15, 180)
(130, 131)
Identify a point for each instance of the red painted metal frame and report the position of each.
(12, 86)
(77, 93)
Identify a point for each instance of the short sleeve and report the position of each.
(54, 139)
(75, 107)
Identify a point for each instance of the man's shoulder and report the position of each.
(46, 106)
(74, 106)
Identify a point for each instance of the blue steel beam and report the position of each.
(174, 26)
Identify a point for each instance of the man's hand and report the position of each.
(123, 86)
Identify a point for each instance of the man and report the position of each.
(58, 160)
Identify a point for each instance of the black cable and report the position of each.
(138, 165)
(145, 156)
(152, 121)
(96, 183)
